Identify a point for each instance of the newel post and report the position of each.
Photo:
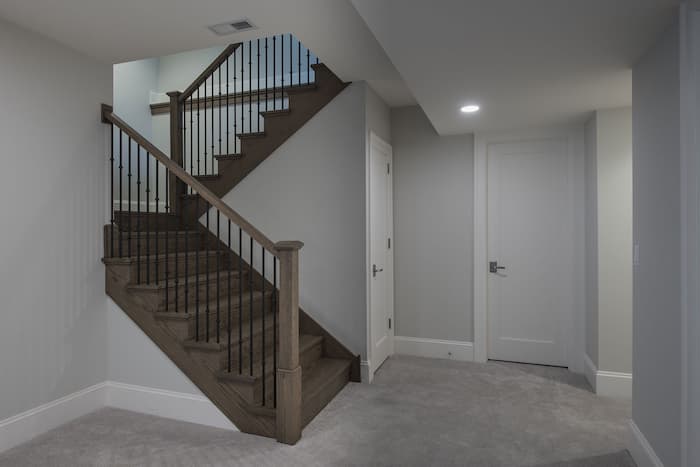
(288, 368)
(177, 188)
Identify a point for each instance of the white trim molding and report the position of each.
(608, 383)
(185, 407)
(22, 427)
(640, 449)
(366, 373)
(434, 348)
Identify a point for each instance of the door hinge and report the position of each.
(388, 243)
(389, 323)
(387, 168)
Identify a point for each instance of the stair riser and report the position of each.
(189, 293)
(154, 299)
(218, 360)
(142, 222)
(157, 245)
(253, 391)
(223, 321)
(178, 265)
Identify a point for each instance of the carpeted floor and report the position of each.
(418, 412)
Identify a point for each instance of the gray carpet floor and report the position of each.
(418, 412)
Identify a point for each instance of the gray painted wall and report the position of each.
(313, 189)
(614, 168)
(657, 281)
(591, 177)
(609, 239)
(52, 339)
(433, 229)
(133, 83)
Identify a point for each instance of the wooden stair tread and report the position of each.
(255, 134)
(182, 316)
(227, 157)
(200, 278)
(275, 113)
(134, 258)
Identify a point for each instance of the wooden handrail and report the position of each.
(208, 71)
(109, 117)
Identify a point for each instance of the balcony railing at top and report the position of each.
(229, 97)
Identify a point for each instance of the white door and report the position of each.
(381, 259)
(530, 236)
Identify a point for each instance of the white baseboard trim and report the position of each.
(640, 449)
(434, 348)
(614, 384)
(22, 427)
(366, 373)
(608, 383)
(590, 371)
(185, 407)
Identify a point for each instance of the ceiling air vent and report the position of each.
(230, 27)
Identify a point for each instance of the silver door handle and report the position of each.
(375, 270)
(494, 267)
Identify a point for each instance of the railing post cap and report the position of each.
(289, 245)
(174, 93)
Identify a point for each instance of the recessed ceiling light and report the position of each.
(470, 109)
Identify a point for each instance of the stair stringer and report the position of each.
(245, 417)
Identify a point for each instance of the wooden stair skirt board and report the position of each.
(304, 102)
(326, 364)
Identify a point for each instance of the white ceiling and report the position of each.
(526, 62)
(116, 31)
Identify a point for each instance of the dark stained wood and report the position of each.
(234, 98)
(203, 76)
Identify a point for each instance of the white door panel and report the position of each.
(381, 281)
(530, 234)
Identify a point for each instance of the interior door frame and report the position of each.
(575, 333)
(368, 368)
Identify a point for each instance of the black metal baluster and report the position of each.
(298, 62)
(205, 128)
(250, 287)
(111, 190)
(274, 331)
(257, 118)
(282, 70)
(213, 126)
(291, 61)
(274, 72)
(228, 127)
(191, 140)
(218, 277)
(138, 214)
(167, 242)
(235, 105)
(187, 268)
(250, 86)
(229, 271)
(267, 97)
(199, 130)
(196, 260)
(308, 66)
(240, 301)
(156, 220)
(220, 105)
(129, 201)
(176, 279)
(148, 217)
(206, 311)
(242, 91)
(262, 306)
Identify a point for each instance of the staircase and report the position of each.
(216, 295)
